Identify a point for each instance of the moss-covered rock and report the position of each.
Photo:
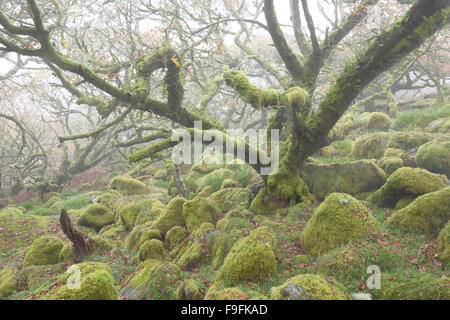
(97, 283)
(403, 202)
(435, 157)
(155, 280)
(377, 120)
(139, 235)
(352, 178)
(348, 263)
(128, 186)
(134, 214)
(171, 216)
(251, 258)
(218, 291)
(339, 219)
(443, 242)
(175, 236)
(419, 286)
(229, 183)
(232, 199)
(214, 180)
(407, 182)
(44, 250)
(393, 152)
(109, 198)
(199, 170)
(390, 164)
(198, 211)
(96, 216)
(407, 141)
(151, 249)
(189, 290)
(428, 213)
(194, 250)
(160, 174)
(371, 146)
(309, 287)
(8, 281)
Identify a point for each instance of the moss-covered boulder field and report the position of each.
(95, 203)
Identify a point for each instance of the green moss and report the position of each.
(52, 201)
(197, 211)
(128, 186)
(435, 157)
(155, 280)
(193, 251)
(231, 199)
(229, 183)
(407, 141)
(378, 121)
(218, 292)
(393, 152)
(214, 180)
(428, 213)
(351, 178)
(370, 146)
(109, 198)
(171, 216)
(407, 182)
(160, 174)
(44, 250)
(151, 249)
(339, 219)
(403, 202)
(309, 287)
(390, 164)
(139, 235)
(175, 236)
(96, 283)
(133, 214)
(8, 281)
(443, 242)
(96, 216)
(419, 286)
(189, 290)
(18, 230)
(199, 170)
(348, 264)
(251, 258)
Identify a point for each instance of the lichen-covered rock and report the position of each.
(175, 236)
(44, 250)
(407, 141)
(309, 287)
(405, 182)
(128, 186)
(390, 164)
(155, 280)
(443, 242)
(435, 157)
(8, 281)
(198, 211)
(171, 216)
(370, 146)
(96, 283)
(251, 258)
(352, 178)
(189, 290)
(96, 216)
(151, 249)
(377, 120)
(428, 213)
(419, 286)
(339, 219)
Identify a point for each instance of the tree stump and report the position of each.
(80, 245)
